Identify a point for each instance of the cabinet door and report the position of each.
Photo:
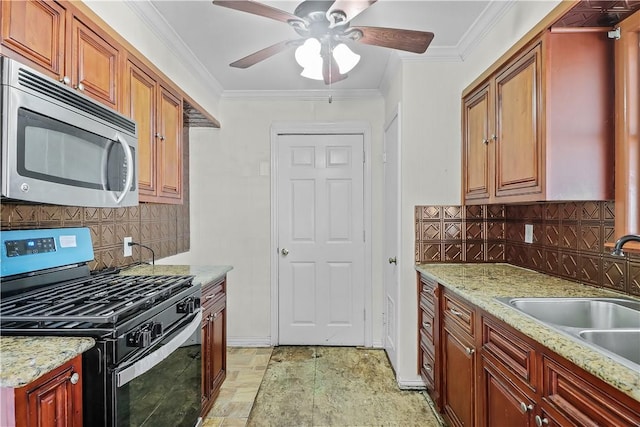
(54, 400)
(142, 108)
(477, 145)
(35, 30)
(459, 393)
(219, 342)
(170, 147)
(504, 404)
(518, 151)
(94, 64)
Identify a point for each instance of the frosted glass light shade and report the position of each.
(345, 58)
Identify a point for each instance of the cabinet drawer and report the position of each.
(459, 313)
(212, 293)
(427, 368)
(514, 353)
(582, 402)
(427, 302)
(427, 320)
(427, 286)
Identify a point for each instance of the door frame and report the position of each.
(323, 128)
(395, 116)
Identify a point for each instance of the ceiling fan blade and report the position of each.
(350, 8)
(259, 9)
(330, 70)
(263, 54)
(394, 38)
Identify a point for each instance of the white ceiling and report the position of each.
(209, 37)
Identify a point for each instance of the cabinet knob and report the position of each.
(469, 350)
(428, 368)
(525, 408)
(426, 325)
(208, 297)
(393, 260)
(79, 86)
(75, 377)
(494, 137)
(65, 80)
(541, 421)
(485, 141)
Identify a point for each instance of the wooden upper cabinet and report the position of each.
(627, 104)
(35, 30)
(550, 124)
(518, 145)
(170, 146)
(158, 113)
(94, 64)
(141, 107)
(477, 183)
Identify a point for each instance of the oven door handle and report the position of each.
(130, 168)
(151, 360)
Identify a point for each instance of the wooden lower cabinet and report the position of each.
(53, 400)
(459, 385)
(491, 375)
(214, 342)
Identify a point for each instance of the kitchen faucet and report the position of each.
(617, 248)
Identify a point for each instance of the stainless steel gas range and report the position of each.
(145, 369)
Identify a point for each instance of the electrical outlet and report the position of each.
(127, 249)
(528, 233)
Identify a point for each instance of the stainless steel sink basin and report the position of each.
(608, 325)
(584, 313)
(625, 343)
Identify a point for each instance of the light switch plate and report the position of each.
(528, 233)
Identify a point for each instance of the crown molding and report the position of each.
(148, 13)
(302, 95)
(494, 11)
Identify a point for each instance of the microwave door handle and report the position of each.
(130, 167)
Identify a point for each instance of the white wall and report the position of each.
(230, 201)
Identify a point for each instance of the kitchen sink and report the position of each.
(625, 343)
(607, 325)
(586, 313)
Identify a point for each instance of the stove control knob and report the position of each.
(156, 330)
(140, 338)
(187, 306)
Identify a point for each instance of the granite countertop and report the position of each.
(25, 359)
(203, 273)
(481, 283)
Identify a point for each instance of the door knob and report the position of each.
(393, 260)
(284, 251)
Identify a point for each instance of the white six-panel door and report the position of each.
(321, 239)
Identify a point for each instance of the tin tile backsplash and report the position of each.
(163, 227)
(568, 240)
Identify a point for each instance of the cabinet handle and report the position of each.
(393, 260)
(456, 312)
(428, 368)
(75, 377)
(157, 135)
(541, 421)
(494, 137)
(79, 86)
(485, 141)
(65, 80)
(162, 138)
(470, 351)
(426, 325)
(208, 297)
(525, 408)
(215, 316)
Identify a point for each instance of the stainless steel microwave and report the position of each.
(61, 147)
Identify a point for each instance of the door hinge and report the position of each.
(614, 34)
(384, 157)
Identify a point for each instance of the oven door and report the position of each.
(161, 386)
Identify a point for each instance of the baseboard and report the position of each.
(377, 344)
(248, 341)
(412, 383)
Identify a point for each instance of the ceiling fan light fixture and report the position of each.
(308, 54)
(345, 58)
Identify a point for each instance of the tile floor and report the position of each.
(315, 386)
